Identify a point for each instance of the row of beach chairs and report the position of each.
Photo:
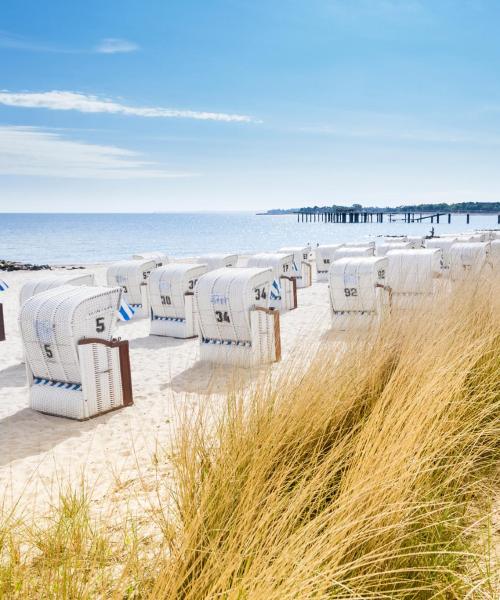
(77, 368)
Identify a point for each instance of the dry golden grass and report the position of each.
(374, 476)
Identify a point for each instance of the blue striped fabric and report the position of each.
(75, 387)
(275, 291)
(125, 312)
(3, 285)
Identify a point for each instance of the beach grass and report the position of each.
(372, 475)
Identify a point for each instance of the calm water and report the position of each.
(88, 238)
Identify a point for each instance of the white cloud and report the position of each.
(31, 151)
(115, 46)
(105, 46)
(61, 100)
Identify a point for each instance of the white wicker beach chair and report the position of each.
(444, 244)
(353, 252)
(218, 260)
(160, 259)
(35, 286)
(411, 275)
(358, 292)
(362, 244)
(75, 369)
(132, 276)
(303, 266)
(468, 259)
(383, 249)
(171, 294)
(237, 326)
(324, 258)
(283, 295)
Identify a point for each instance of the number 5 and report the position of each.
(99, 324)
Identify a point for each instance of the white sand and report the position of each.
(121, 455)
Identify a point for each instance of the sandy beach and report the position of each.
(120, 456)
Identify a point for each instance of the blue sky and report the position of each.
(247, 104)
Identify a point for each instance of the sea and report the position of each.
(69, 238)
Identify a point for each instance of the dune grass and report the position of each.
(373, 476)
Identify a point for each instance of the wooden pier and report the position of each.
(362, 216)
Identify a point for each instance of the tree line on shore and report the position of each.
(438, 207)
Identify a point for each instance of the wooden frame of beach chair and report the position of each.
(359, 297)
(75, 368)
(2, 324)
(302, 260)
(411, 275)
(171, 298)
(132, 276)
(284, 287)
(237, 327)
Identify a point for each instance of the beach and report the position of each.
(121, 455)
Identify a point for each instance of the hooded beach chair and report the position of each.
(358, 292)
(411, 275)
(385, 247)
(303, 266)
(132, 276)
(468, 259)
(283, 295)
(159, 258)
(324, 258)
(237, 326)
(35, 286)
(353, 252)
(171, 294)
(444, 244)
(218, 260)
(75, 368)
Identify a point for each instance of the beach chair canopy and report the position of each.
(353, 252)
(53, 322)
(130, 275)
(281, 264)
(300, 253)
(467, 257)
(324, 256)
(224, 298)
(159, 258)
(413, 271)
(383, 249)
(169, 285)
(35, 286)
(218, 260)
(353, 282)
(443, 244)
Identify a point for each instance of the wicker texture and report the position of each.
(160, 259)
(131, 276)
(302, 260)
(383, 249)
(282, 266)
(226, 302)
(35, 286)
(412, 272)
(467, 259)
(172, 308)
(324, 258)
(218, 260)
